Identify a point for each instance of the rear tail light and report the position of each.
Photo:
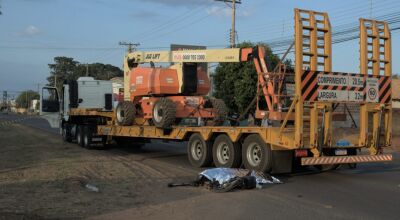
(301, 153)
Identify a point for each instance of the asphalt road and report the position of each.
(371, 191)
(28, 120)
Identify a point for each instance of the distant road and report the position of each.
(28, 120)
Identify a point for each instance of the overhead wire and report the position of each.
(173, 21)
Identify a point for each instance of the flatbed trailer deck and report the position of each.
(279, 142)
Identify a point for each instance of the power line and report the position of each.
(175, 20)
(180, 27)
(131, 46)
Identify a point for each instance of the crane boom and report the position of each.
(181, 56)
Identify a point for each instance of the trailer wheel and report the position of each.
(125, 113)
(79, 135)
(164, 113)
(66, 132)
(199, 151)
(352, 152)
(256, 154)
(226, 153)
(327, 167)
(87, 137)
(221, 112)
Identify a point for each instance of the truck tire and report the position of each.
(164, 113)
(352, 152)
(256, 154)
(226, 153)
(66, 132)
(199, 151)
(221, 112)
(327, 167)
(125, 113)
(87, 137)
(79, 135)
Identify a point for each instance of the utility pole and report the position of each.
(5, 101)
(131, 46)
(26, 98)
(233, 30)
(370, 9)
(87, 69)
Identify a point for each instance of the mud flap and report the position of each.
(282, 161)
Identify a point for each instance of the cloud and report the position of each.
(29, 31)
(225, 11)
(219, 11)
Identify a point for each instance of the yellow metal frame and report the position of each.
(375, 59)
(313, 40)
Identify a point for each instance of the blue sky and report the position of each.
(33, 32)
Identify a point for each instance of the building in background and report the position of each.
(396, 93)
(34, 106)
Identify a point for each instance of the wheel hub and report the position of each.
(223, 153)
(254, 154)
(120, 114)
(197, 150)
(157, 113)
(85, 140)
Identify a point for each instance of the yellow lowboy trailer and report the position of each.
(304, 130)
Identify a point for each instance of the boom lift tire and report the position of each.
(164, 113)
(256, 154)
(66, 132)
(220, 110)
(199, 151)
(226, 153)
(125, 113)
(79, 135)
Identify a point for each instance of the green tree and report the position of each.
(236, 83)
(63, 68)
(99, 71)
(66, 68)
(24, 99)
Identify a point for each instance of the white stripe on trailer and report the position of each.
(345, 159)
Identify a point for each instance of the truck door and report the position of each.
(50, 106)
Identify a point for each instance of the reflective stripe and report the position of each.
(346, 159)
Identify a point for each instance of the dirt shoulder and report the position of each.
(43, 177)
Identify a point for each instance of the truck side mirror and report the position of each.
(49, 100)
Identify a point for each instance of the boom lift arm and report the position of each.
(267, 81)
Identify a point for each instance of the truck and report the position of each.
(295, 126)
